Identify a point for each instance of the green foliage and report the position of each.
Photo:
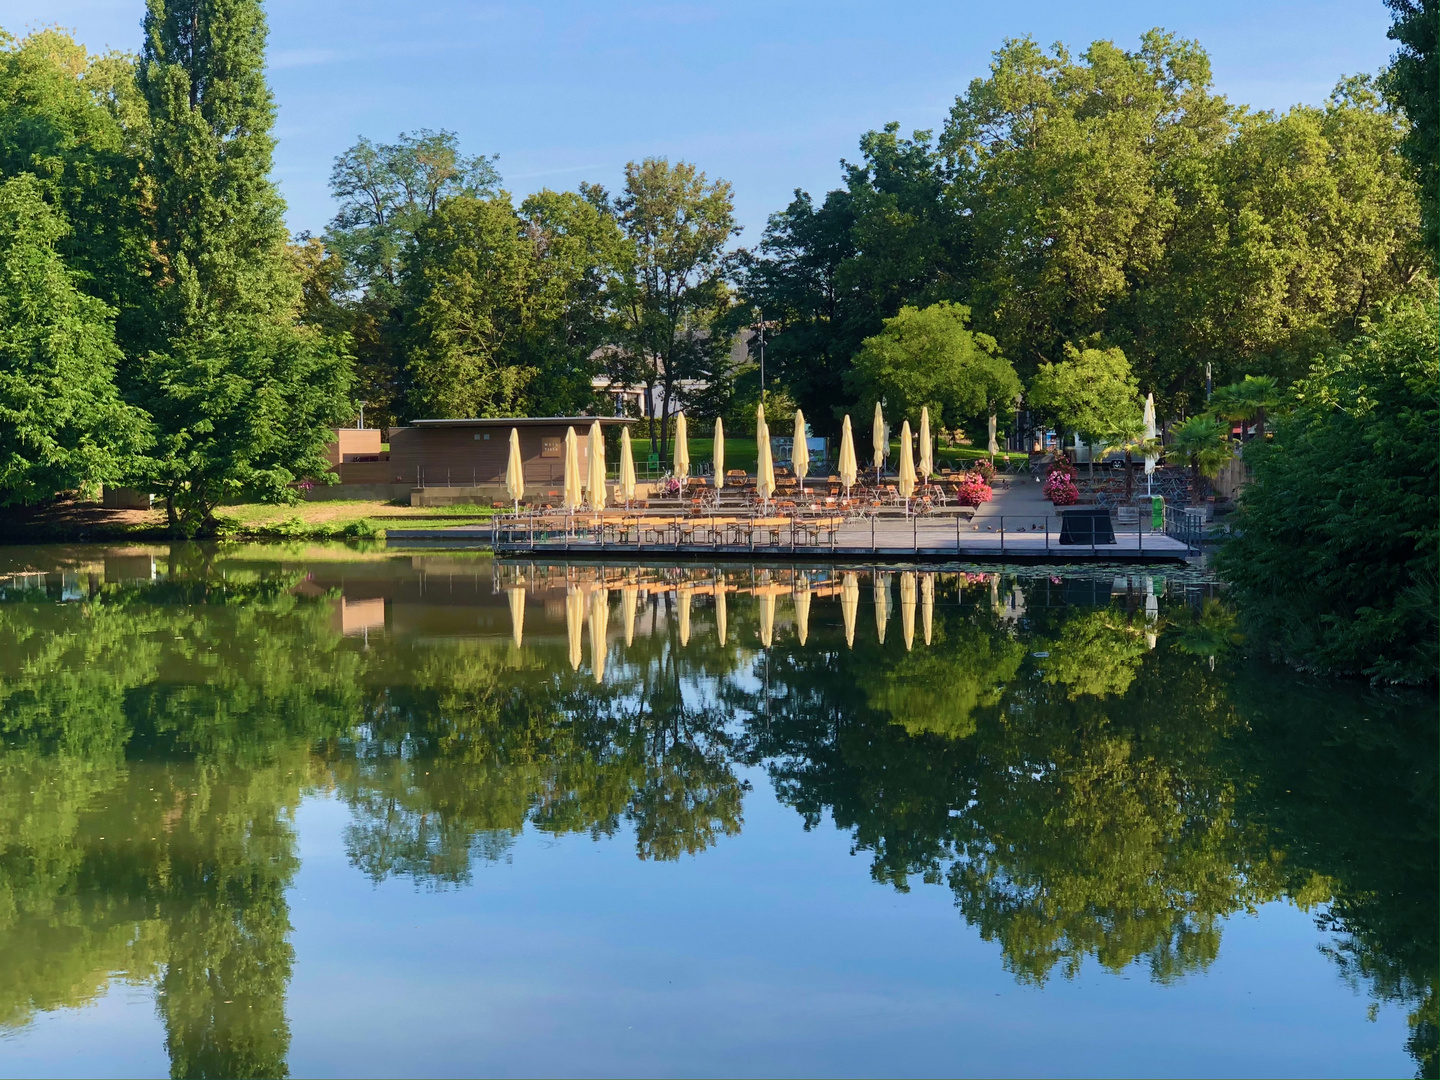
(243, 408)
(1089, 392)
(673, 281)
(1411, 82)
(467, 290)
(1204, 444)
(1335, 562)
(77, 124)
(931, 358)
(62, 423)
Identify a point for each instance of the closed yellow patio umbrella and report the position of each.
(517, 614)
(595, 483)
(881, 591)
(765, 467)
(907, 463)
(599, 627)
(625, 489)
(719, 454)
(573, 497)
(848, 468)
(574, 616)
(878, 440)
(684, 617)
(802, 607)
(682, 446)
(767, 618)
(850, 604)
(515, 471)
(927, 603)
(926, 465)
(994, 447)
(721, 615)
(628, 595)
(800, 454)
(907, 608)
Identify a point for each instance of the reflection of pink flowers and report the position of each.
(972, 490)
(1060, 489)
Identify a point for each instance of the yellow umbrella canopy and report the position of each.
(877, 436)
(907, 463)
(574, 616)
(800, 454)
(626, 487)
(682, 446)
(599, 626)
(850, 604)
(573, 497)
(767, 618)
(517, 614)
(721, 615)
(994, 447)
(907, 608)
(684, 617)
(802, 607)
(765, 469)
(719, 454)
(848, 468)
(927, 603)
(926, 467)
(881, 592)
(515, 469)
(595, 493)
(628, 596)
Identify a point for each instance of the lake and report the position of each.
(319, 811)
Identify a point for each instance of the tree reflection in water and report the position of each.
(1104, 778)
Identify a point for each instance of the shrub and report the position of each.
(1060, 489)
(973, 490)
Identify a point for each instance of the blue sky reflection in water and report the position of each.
(319, 813)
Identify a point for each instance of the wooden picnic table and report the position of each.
(814, 528)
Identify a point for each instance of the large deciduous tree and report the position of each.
(677, 223)
(62, 423)
(1413, 82)
(1088, 392)
(243, 396)
(931, 358)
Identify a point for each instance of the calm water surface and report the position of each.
(321, 811)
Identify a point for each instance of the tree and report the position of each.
(242, 396)
(77, 123)
(1411, 82)
(578, 251)
(467, 293)
(1127, 434)
(932, 358)
(62, 423)
(1248, 400)
(1334, 563)
(386, 192)
(1088, 392)
(678, 224)
(244, 409)
(1204, 443)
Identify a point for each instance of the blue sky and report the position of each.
(769, 95)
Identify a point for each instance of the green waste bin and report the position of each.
(1157, 512)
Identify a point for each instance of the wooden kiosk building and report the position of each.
(436, 462)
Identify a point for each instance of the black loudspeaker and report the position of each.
(1089, 526)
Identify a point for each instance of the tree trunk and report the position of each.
(1129, 477)
(1195, 499)
(171, 518)
(1260, 423)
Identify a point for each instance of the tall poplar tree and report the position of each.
(242, 395)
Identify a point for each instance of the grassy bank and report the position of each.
(356, 519)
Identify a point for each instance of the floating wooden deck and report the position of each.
(917, 539)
